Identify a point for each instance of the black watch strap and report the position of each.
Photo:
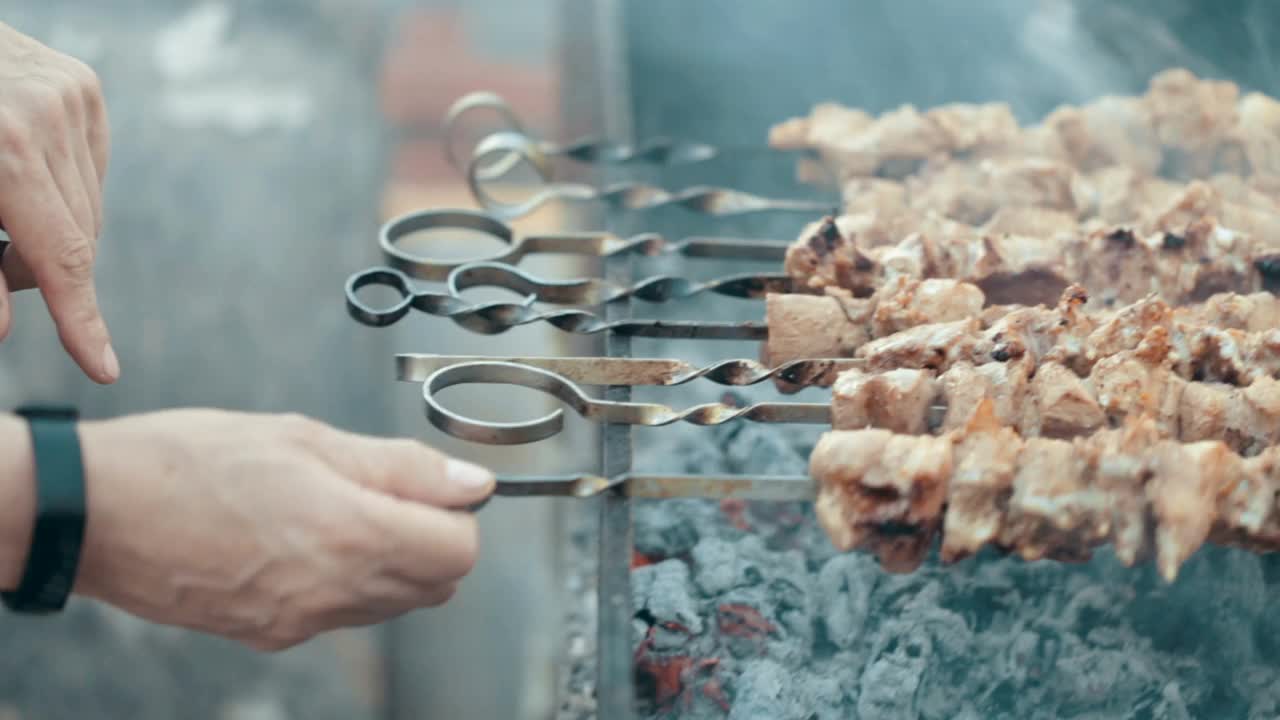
(58, 532)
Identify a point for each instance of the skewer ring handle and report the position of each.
(521, 150)
(498, 433)
(437, 269)
(470, 104)
(367, 314)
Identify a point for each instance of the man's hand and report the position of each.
(54, 141)
(270, 529)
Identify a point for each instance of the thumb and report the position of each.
(411, 471)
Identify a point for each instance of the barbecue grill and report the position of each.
(716, 592)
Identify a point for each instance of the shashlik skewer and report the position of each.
(1046, 400)
(821, 372)
(1182, 126)
(1026, 197)
(1050, 400)
(934, 324)
(1203, 257)
(983, 485)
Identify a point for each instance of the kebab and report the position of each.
(935, 324)
(1182, 126)
(984, 485)
(1022, 196)
(1205, 257)
(1052, 401)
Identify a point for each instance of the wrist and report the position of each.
(17, 500)
(102, 449)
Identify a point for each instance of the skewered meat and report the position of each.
(1109, 131)
(1229, 338)
(815, 326)
(1182, 126)
(836, 325)
(1041, 497)
(1064, 334)
(1048, 399)
(1182, 260)
(883, 491)
(897, 400)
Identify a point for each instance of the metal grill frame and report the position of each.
(615, 683)
(615, 690)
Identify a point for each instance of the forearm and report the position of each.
(17, 499)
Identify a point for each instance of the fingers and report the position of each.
(61, 257)
(97, 124)
(92, 188)
(62, 164)
(6, 310)
(432, 546)
(411, 471)
(53, 156)
(89, 139)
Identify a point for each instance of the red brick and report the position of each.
(430, 65)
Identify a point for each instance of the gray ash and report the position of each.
(745, 611)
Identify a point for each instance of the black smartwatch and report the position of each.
(58, 533)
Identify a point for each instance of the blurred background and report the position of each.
(257, 146)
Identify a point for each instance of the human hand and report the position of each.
(54, 145)
(270, 529)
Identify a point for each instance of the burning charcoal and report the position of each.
(943, 639)
(1105, 682)
(759, 449)
(640, 630)
(661, 596)
(1089, 607)
(720, 566)
(845, 586)
(891, 683)
(716, 566)
(1260, 685)
(748, 628)
(769, 690)
(1168, 703)
(670, 528)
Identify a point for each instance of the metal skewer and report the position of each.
(655, 151)
(630, 196)
(517, 247)
(498, 317)
(775, 488)
(594, 291)
(623, 413)
(417, 367)
(660, 151)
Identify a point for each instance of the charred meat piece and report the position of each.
(1042, 498)
(813, 326)
(882, 491)
(897, 400)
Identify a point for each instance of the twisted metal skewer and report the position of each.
(776, 488)
(816, 372)
(655, 151)
(629, 196)
(594, 291)
(627, 413)
(498, 317)
(516, 247)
